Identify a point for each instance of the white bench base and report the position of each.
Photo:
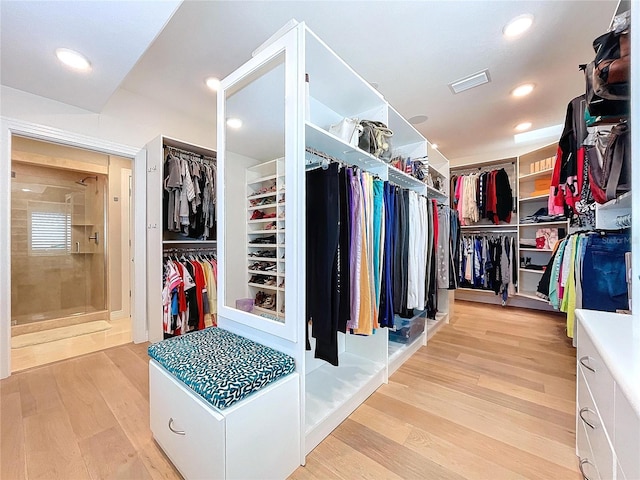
(256, 438)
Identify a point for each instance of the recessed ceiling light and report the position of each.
(523, 90)
(416, 119)
(518, 26)
(234, 122)
(26, 189)
(521, 127)
(73, 59)
(434, 146)
(213, 83)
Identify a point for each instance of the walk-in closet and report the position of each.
(302, 240)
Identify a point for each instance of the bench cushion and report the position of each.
(221, 366)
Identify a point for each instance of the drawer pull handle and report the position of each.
(177, 432)
(582, 462)
(583, 361)
(589, 424)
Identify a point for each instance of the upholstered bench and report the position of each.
(223, 406)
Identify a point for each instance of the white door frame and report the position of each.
(9, 127)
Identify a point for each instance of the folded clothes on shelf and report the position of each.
(527, 243)
(542, 215)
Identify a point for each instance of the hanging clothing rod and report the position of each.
(465, 231)
(325, 159)
(168, 251)
(467, 169)
(193, 155)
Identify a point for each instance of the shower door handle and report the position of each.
(94, 237)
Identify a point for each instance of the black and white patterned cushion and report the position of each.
(221, 366)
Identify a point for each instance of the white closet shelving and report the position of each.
(158, 238)
(530, 175)
(268, 94)
(535, 170)
(265, 221)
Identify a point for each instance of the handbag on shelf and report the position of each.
(376, 139)
(348, 130)
(609, 163)
(607, 76)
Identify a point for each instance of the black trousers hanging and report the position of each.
(344, 252)
(322, 228)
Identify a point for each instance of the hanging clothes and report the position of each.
(189, 195)
(588, 271)
(189, 294)
(486, 195)
(487, 262)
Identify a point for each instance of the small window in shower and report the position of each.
(50, 228)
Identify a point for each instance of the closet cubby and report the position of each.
(265, 238)
(534, 182)
(281, 128)
(530, 175)
(159, 238)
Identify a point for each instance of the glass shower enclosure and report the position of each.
(58, 259)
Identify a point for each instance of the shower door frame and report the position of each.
(10, 127)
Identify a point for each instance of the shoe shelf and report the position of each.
(265, 183)
(258, 180)
(271, 193)
(261, 207)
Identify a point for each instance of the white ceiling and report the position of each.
(411, 49)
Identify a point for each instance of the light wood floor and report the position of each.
(45, 353)
(491, 397)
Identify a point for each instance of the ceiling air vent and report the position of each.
(471, 81)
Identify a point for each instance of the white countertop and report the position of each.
(617, 339)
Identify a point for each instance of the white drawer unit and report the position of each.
(255, 438)
(188, 430)
(600, 450)
(627, 436)
(608, 396)
(587, 463)
(598, 377)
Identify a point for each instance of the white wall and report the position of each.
(127, 118)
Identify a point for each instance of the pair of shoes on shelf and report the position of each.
(269, 215)
(259, 279)
(270, 226)
(266, 300)
(263, 266)
(262, 201)
(281, 284)
(264, 240)
(263, 253)
(257, 215)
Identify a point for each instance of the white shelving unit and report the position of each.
(268, 93)
(533, 189)
(608, 215)
(266, 189)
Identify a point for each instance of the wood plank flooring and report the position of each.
(492, 396)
